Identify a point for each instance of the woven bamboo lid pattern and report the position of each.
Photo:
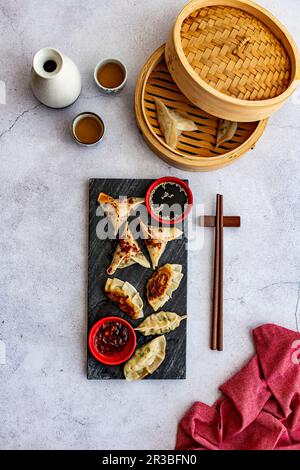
(233, 59)
(235, 53)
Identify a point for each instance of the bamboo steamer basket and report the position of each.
(233, 59)
(196, 151)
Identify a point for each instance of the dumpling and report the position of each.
(171, 123)
(127, 253)
(118, 210)
(162, 284)
(156, 239)
(146, 359)
(166, 123)
(160, 323)
(125, 296)
(226, 130)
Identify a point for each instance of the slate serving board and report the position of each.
(99, 257)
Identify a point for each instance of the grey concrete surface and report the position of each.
(45, 400)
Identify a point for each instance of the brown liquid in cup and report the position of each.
(110, 75)
(88, 130)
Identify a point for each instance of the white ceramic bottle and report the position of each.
(55, 79)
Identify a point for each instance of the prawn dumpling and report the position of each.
(156, 239)
(127, 253)
(146, 359)
(125, 296)
(162, 284)
(226, 131)
(160, 323)
(118, 210)
(172, 124)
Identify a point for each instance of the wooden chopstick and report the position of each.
(215, 312)
(220, 299)
(228, 221)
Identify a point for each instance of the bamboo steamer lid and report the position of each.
(233, 59)
(196, 151)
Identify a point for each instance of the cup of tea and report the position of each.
(110, 75)
(87, 128)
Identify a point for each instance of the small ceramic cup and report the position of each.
(82, 116)
(107, 90)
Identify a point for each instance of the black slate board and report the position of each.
(99, 258)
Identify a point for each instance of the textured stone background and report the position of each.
(45, 399)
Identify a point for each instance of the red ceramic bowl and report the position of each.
(169, 179)
(119, 357)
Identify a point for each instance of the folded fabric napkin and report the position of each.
(260, 406)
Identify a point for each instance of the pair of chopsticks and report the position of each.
(217, 314)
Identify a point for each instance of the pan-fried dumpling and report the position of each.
(171, 123)
(160, 323)
(118, 210)
(162, 284)
(127, 253)
(156, 239)
(226, 130)
(125, 296)
(146, 359)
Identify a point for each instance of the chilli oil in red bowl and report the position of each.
(111, 338)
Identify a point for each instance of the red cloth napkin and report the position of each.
(260, 405)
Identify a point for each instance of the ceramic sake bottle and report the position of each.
(55, 79)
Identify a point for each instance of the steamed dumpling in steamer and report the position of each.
(156, 239)
(226, 131)
(127, 253)
(125, 296)
(118, 210)
(171, 123)
(162, 284)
